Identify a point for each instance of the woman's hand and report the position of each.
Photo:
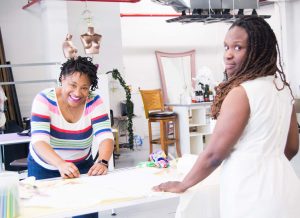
(68, 170)
(174, 186)
(98, 169)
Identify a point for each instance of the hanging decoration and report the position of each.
(70, 51)
(90, 39)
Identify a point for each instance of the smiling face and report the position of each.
(235, 45)
(75, 89)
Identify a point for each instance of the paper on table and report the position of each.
(86, 191)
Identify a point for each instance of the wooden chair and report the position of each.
(155, 112)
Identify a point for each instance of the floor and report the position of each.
(139, 154)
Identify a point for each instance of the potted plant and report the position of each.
(129, 105)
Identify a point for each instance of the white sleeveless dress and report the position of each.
(257, 180)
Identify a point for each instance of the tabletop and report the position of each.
(13, 138)
(88, 194)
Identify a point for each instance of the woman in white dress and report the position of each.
(256, 132)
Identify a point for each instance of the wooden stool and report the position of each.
(154, 112)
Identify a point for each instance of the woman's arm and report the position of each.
(292, 143)
(66, 169)
(231, 122)
(105, 151)
(102, 135)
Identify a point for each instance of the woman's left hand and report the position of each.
(98, 169)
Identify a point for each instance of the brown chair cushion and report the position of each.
(162, 114)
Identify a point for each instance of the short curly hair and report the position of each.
(84, 66)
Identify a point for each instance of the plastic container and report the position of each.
(9, 195)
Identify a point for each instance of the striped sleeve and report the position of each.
(100, 120)
(40, 119)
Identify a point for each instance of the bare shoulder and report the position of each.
(236, 104)
(237, 96)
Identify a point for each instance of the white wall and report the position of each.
(36, 35)
(293, 45)
(141, 36)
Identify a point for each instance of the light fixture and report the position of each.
(211, 11)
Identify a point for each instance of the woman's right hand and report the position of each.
(68, 170)
(172, 186)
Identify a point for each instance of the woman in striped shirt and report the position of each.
(65, 121)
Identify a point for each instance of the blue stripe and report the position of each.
(75, 149)
(100, 119)
(71, 136)
(97, 98)
(40, 131)
(35, 118)
(48, 99)
(103, 130)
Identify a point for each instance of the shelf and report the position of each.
(193, 134)
(198, 124)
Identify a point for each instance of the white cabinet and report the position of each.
(195, 126)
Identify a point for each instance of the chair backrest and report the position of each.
(152, 100)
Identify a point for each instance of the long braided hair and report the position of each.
(84, 65)
(262, 50)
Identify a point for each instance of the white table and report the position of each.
(120, 188)
(10, 139)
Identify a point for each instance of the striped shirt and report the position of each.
(71, 141)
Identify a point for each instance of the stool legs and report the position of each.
(178, 150)
(150, 136)
(163, 137)
(164, 140)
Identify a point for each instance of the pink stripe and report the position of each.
(51, 107)
(99, 117)
(91, 108)
(79, 159)
(40, 115)
(42, 99)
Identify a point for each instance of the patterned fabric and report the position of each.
(71, 141)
